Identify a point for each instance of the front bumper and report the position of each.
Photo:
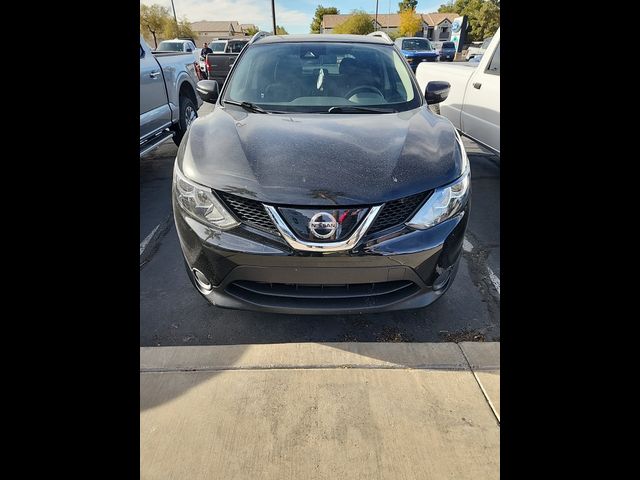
(394, 269)
(415, 61)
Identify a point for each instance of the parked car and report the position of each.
(168, 100)
(218, 65)
(416, 50)
(179, 45)
(473, 51)
(473, 105)
(218, 46)
(448, 51)
(321, 182)
(229, 45)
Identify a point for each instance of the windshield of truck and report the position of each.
(217, 46)
(416, 44)
(486, 43)
(170, 47)
(313, 77)
(236, 47)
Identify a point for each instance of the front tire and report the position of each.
(188, 113)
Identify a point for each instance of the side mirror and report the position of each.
(189, 50)
(208, 90)
(436, 92)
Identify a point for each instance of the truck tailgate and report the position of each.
(219, 65)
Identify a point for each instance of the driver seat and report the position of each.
(287, 85)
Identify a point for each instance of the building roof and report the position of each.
(435, 18)
(389, 20)
(217, 26)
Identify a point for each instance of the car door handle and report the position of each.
(154, 74)
(477, 85)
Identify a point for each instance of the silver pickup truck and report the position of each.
(168, 100)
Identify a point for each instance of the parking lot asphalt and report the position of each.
(172, 312)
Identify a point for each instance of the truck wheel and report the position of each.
(188, 113)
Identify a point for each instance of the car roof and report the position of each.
(324, 37)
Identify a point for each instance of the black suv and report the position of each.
(321, 182)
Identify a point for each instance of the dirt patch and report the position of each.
(463, 336)
(393, 335)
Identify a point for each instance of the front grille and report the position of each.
(322, 297)
(249, 211)
(397, 211)
(252, 212)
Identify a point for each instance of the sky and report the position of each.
(294, 15)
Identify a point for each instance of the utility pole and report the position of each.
(174, 12)
(376, 14)
(273, 15)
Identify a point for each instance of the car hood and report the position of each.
(419, 52)
(321, 159)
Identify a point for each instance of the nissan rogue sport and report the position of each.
(321, 182)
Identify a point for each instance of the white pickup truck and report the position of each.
(473, 103)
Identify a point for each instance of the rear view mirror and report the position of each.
(208, 90)
(436, 92)
(189, 49)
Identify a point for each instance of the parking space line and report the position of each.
(494, 279)
(148, 238)
(467, 246)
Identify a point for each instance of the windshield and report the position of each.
(416, 44)
(169, 47)
(236, 47)
(217, 47)
(486, 43)
(448, 45)
(313, 77)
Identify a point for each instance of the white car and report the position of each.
(479, 50)
(177, 45)
(473, 103)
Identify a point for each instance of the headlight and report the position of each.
(201, 203)
(445, 202)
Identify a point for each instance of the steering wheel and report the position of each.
(363, 88)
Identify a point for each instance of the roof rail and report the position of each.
(258, 36)
(380, 34)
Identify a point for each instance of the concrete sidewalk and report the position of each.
(320, 411)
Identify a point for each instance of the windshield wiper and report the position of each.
(350, 109)
(251, 107)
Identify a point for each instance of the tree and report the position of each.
(393, 35)
(316, 23)
(485, 19)
(182, 29)
(359, 23)
(281, 31)
(449, 7)
(252, 30)
(407, 5)
(410, 23)
(153, 20)
(483, 16)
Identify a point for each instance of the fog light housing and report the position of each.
(203, 283)
(443, 277)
